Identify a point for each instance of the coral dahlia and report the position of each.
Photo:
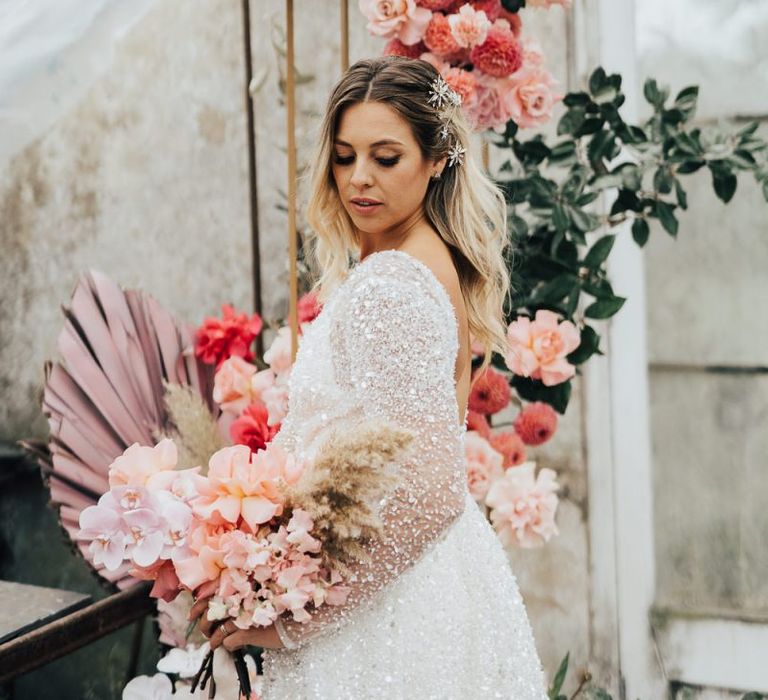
(536, 423)
(490, 393)
(500, 54)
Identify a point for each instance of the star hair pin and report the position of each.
(446, 100)
(456, 154)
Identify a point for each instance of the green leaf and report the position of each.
(597, 80)
(517, 225)
(576, 99)
(559, 679)
(571, 121)
(666, 215)
(662, 180)
(687, 98)
(533, 390)
(604, 308)
(599, 252)
(588, 126)
(587, 198)
(574, 184)
(582, 220)
(554, 290)
(562, 151)
(589, 345)
(690, 166)
(640, 231)
(651, 93)
(682, 197)
(600, 145)
(560, 218)
(599, 288)
(723, 180)
(631, 177)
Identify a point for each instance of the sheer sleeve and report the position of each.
(395, 344)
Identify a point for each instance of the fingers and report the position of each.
(220, 633)
(198, 608)
(237, 639)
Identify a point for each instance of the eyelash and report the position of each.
(385, 162)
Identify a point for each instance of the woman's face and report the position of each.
(380, 173)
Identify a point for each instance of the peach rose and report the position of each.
(401, 19)
(484, 464)
(153, 467)
(232, 384)
(529, 96)
(523, 506)
(538, 348)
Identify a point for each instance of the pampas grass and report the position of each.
(191, 426)
(342, 489)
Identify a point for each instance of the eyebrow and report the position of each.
(382, 142)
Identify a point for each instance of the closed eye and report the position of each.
(385, 162)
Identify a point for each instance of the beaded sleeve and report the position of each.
(394, 342)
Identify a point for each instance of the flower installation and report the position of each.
(480, 50)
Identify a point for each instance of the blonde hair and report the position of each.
(464, 206)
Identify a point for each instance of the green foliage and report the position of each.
(557, 193)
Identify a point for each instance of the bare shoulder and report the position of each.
(436, 256)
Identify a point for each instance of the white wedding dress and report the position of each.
(437, 614)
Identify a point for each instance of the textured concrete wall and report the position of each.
(145, 180)
(708, 333)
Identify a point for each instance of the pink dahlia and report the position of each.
(511, 446)
(523, 506)
(500, 54)
(492, 8)
(395, 47)
(490, 393)
(536, 423)
(479, 423)
(439, 37)
(464, 83)
(469, 26)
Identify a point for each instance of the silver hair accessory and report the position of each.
(446, 100)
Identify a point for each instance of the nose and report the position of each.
(361, 174)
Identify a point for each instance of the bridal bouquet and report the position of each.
(261, 533)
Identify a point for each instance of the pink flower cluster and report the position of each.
(225, 534)
(477, 48)
(253, 402)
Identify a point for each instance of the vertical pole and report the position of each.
(344, 11)
(290, 100)
(252, 181)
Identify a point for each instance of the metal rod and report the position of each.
(252, 179)
(290, 100)
(344, 35)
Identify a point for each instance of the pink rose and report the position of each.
(153, 467)
(232, 384)
(489, 110)
(529, 96)
(523, 506)
(538, 348)
(278, 357)
(469, 26)
(484, 464)
(401, 19)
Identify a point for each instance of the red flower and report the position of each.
(499, 55)
(492, 8)
(218, 339)
(511, 446)
(536, 423)
(251, 428)
(490, 393)
(395, 47)
(308, 307)
(478, 423)
(439, 38)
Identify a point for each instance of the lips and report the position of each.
(365, 205)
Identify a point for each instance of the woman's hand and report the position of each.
(228, 635)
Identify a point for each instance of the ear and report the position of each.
(439, 165)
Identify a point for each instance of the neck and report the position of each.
(391, 238)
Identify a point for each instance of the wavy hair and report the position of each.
(464, 205)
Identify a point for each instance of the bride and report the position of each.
(437, 612)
